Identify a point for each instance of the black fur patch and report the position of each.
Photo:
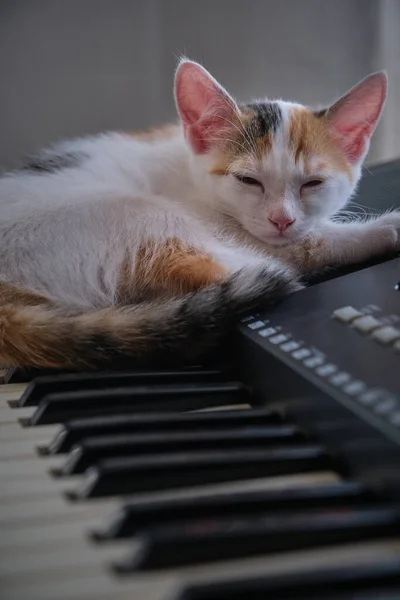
(267, 118)
(321, 113)
(51, 162)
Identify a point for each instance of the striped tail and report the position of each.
(172, 331)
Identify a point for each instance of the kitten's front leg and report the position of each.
(338, 244)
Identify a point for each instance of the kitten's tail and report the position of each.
(171, 331)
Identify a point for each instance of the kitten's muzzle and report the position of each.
(281, 223)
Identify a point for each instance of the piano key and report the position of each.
(73, 431)
(197, 541)
(13, 415)
(40, 387)
(92, 581)
(45, 535)
(128, 475)
(136, 516)
(31, 468)
(14, 431)
(12, 391)
(19, 448)
(32, 490)
(91, 450)
(338, 582)
(75, 552)
(53, 509)
(56, 408)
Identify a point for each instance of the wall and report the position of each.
(69, 67)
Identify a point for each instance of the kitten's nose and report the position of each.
(282, 223)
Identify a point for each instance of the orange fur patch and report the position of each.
(16, 306)
(240, 144)
(307, 255)
(156, 133)
(10, 294)
(174, 268)
(309, 136)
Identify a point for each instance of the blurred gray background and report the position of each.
(70, 67)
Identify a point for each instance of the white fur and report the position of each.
(66, 234)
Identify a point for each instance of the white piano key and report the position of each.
(32, 467)
(12, 391)
(11, 415)
(21, 448)
(58, 554)
(54, 509)
(72, 553)
(42, 535)
(94, 584)
(31, 490)
(37, 435)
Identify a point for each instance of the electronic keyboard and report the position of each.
(276, 476)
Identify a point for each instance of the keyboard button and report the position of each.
(313, 361)
(386, 335)
(354, 388)
(301, 353)
(268, 331)
(157, 472)
(326, 370)
(386, 405)
(372, 396)
(346, 314)
(366, 324)
(256, 325)
(290, 346)
(340, 378)
(278, 339)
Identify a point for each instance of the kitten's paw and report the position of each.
(386, 231)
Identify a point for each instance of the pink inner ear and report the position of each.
(204, 106)
(354, 117)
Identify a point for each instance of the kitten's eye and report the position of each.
(313, 183)
(248, 180)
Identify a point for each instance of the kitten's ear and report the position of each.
(353, 117)
(204, 107)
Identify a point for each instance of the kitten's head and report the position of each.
(276, 167)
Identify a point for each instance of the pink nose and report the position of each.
(282, 224)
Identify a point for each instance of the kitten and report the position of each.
(152, 245)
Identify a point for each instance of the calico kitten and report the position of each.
(152, 245)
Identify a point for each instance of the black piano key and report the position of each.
(117, 476)
(202, 541)
(137, 516)
(92, 450)
(27, 374)
(56, 408)
(42, 386)
(348, 582)
(72, 432)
